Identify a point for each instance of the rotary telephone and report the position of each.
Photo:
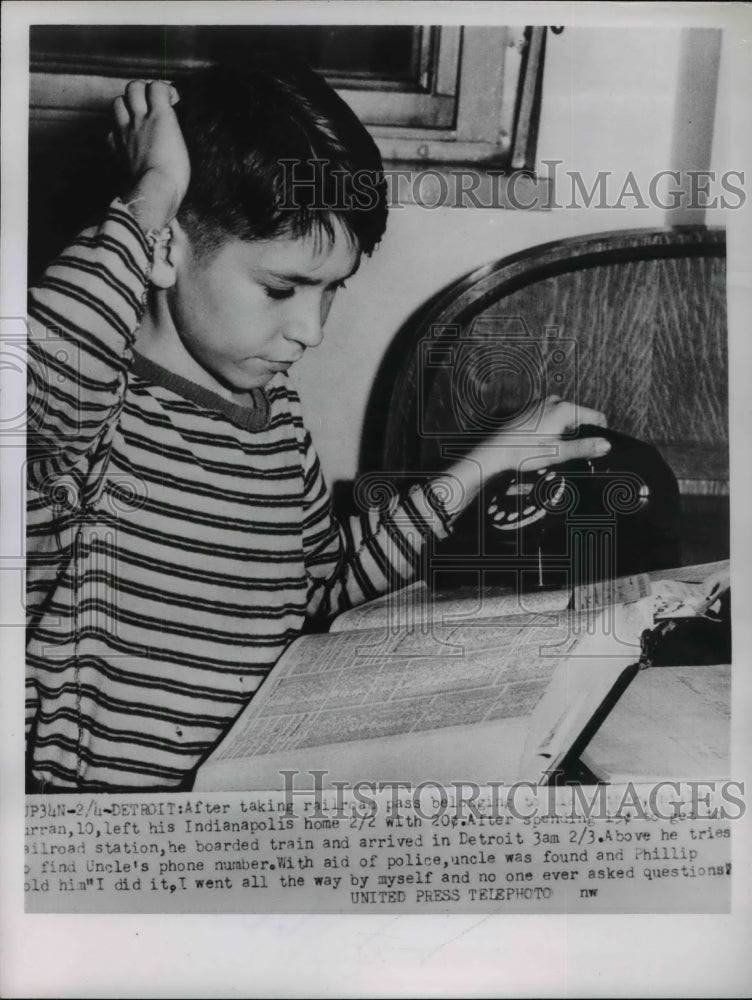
(567, 524)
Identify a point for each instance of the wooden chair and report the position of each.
(632, 323)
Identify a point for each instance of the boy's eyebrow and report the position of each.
(303, 279)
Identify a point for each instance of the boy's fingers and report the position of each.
(135, 98)
(121, 113)
(583, 448)
(159, 94)
(574, 415)
(587, 416)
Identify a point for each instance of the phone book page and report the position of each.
(418, 605)
(500, 698)
(358, 702)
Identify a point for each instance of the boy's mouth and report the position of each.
(280, 365)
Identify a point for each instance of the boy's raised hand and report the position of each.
(148, 134)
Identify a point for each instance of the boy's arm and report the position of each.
(82, 319)
(363, 557)
(356, 559)
(85, 310)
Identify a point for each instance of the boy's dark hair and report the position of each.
(275, 151)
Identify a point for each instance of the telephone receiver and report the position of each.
(578, 521)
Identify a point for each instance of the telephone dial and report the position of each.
(571, 523)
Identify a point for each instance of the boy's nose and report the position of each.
(306, 329)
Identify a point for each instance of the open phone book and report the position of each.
(483, 685)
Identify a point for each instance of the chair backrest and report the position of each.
(632, 323)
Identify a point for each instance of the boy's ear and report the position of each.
(169, 250)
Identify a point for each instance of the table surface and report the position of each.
(671, 722)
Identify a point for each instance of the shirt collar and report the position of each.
(253, 417)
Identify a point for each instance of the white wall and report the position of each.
(608, 104)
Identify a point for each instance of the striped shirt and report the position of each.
(176, 543)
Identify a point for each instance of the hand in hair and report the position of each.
(148, 135)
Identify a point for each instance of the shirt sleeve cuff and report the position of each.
(429, 503)
(147, 238)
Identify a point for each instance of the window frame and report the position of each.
(477, 103)
(491, 77)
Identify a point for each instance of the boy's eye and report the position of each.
(276, 292)
(279, 293)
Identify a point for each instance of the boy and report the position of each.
(180, 531)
